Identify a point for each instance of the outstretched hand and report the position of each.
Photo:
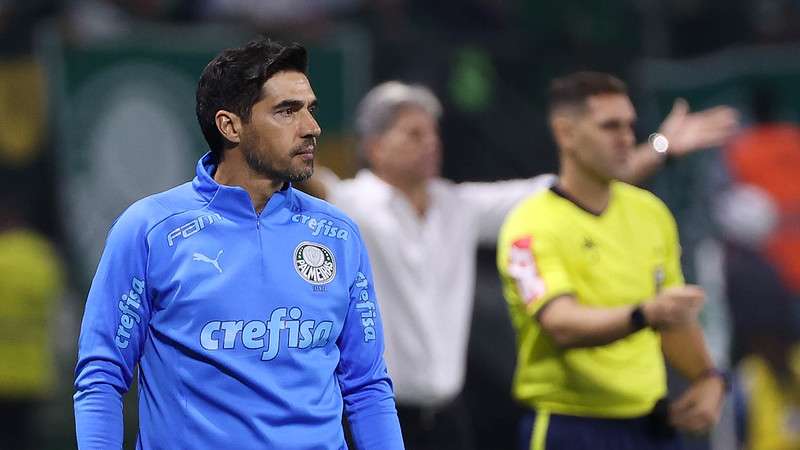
(688, 131)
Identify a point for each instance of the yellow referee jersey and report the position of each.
(550, 246)
(29, 294)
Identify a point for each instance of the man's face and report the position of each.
(279, 141)
(410, 150)
(602, 138)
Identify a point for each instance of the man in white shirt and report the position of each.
(422, 233)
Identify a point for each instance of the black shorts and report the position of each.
(541, 430)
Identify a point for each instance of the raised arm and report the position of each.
(686, 132)
(491, 201)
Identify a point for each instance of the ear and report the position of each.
(372, 153)
(563, 126)
(229, 125)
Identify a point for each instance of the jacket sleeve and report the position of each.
(364, 380)
(113, 330)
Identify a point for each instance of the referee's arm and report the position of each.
(700, 406)
(572, 324)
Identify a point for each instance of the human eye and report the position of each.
(611, 125)
(415, 134)
(285, 114)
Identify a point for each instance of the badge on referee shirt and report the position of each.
(522, 268)
(314, 262)
(659, 277)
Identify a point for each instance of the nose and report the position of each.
(310, 127)
(629, 137)
(431, 142)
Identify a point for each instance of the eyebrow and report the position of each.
(294, 104)
(617, 122)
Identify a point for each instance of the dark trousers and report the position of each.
(562, 432)
(437, 428)
(17, 425)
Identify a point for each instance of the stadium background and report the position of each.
(97, 110)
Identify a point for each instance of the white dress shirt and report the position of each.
(424, 270)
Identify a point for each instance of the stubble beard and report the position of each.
(591, 170)
(265, 167)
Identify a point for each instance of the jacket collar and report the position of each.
(234, 201)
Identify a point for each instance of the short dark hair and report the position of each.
(233, 79)
(572, 91)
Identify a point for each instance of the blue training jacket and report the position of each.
(250, 331)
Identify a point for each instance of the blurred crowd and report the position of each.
(488, 62)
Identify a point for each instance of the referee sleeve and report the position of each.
(364, 380)
(112, 332)
(533, 268)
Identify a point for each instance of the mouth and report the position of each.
(623, 154)
(306, 152)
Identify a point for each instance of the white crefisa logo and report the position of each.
(314, 262)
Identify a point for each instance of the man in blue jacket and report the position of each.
(247, 306)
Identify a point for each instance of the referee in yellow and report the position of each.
(591, 272)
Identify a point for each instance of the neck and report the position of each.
(233, 170)
(415, 192)
(586, 188)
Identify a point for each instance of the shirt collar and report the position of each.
(233, 200)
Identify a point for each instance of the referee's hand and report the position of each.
(674, 307)
(698, 409)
